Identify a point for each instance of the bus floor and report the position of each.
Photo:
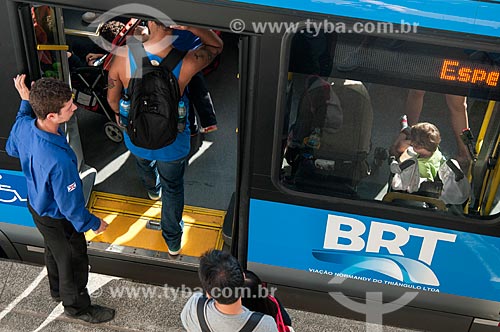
(25, 305)
(135, 223)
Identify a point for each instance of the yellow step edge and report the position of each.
(150, 209)
(131, 231)
(128, 216)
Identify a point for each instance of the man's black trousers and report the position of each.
(67, 262)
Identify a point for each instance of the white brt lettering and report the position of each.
(375, 241)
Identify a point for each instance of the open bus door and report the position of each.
(43, 31)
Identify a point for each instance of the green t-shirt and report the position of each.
(428, 167)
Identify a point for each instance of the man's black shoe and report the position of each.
(95, 314)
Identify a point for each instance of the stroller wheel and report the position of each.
(113, 131)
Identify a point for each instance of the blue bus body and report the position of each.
(305, 242)
(468, 16)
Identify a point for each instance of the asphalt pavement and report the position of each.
(26, 305)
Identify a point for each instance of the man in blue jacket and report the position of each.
(55, 195)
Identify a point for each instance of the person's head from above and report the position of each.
(110, 30)
(425, 139)
(253, 282)
(221, 276)
(156, 25)
(51, 99)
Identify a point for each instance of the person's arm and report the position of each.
(400, 145)
(68, 194)
(25, 109)
(74, 61)
(25, 112)
(196, 60)
(115, 85)
(92, 57)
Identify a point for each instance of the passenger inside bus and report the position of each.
(457, 105)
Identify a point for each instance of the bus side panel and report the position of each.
(322, 302)
(326, 247)
(478, 17)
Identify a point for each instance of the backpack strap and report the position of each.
(200, 312)
(279, 316)
(139, 54)
(172, 59)
(252, 322)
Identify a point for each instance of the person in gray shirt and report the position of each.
(220, 308)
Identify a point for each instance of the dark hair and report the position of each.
(110, 30)
(48, 95)
(161, 25)
(425, 135)
(221, 276)
(256, 302)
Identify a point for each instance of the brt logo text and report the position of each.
(345, 233)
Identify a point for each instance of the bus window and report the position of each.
(345, 98)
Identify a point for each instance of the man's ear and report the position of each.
(51, 117)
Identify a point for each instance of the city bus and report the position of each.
(306, 201)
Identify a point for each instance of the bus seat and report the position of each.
(340, 114)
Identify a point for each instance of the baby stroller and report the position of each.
(90, 85)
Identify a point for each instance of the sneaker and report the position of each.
(154, 196)
(174, 252)
(95, 314)
(208, 129)
(89, 17)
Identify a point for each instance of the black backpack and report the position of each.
(154, 98)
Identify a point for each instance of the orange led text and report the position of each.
(452, 70)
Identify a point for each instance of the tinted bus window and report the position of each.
(347, 100)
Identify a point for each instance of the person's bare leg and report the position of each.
(459, 121)
(414, 104)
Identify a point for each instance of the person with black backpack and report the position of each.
(220, 308)
(157, 125)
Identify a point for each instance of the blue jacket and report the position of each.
(50, 167)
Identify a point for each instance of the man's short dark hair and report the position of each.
(48, 95)
(161, 25)
(221, 276)
(110, 30)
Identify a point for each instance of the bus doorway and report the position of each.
(118, 195)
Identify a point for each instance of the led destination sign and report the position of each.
(453, 70)
(417, 66)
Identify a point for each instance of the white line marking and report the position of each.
(111, 168)
(96, 281)
(24, 294)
